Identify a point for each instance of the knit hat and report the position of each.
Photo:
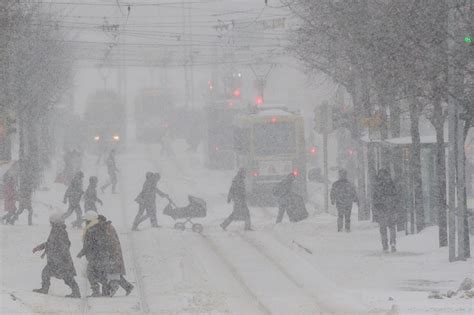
(56, 218)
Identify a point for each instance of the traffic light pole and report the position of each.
(326, 172)
(325, 129)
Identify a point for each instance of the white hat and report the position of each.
(91, 215)
(56, 217)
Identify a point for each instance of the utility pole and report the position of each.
(461, 210)
(452, 112)
(323, 125)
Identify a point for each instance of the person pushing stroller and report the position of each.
(147, 201)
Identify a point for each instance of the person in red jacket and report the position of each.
(10, 197)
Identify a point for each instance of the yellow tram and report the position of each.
(270, 144)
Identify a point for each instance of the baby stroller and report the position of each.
(195, 209)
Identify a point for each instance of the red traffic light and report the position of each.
(236, 93)
(259, 100)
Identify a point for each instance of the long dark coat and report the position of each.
(117, 264)
(90, 198)
(238, 196)
(74, 192)
(343, 194)
(57, 252)
(384, 201)
(96, 246)
(283, 190)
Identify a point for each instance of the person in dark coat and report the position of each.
(96, 249)
(147, 200)
(141, 200)
(343, 194)
(112, 170)
(282, 192)
(117, 266)
(9, 199)
(90, 196)
(384, 203)
(59, 261)
(74, 194)
(25, 200)
(237, 194)
(68, 172)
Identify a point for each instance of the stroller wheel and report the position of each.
(179, 226)
(197, 228)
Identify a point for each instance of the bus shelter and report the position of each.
(402, 147)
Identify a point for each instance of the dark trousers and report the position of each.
(112, 181)
(232, 217)
(9, 218)
(283, 206)
(46, 275)
(22, 208)
(344, 219)
(77, 209)
(96, 275)
(150, 213)
(383, 234)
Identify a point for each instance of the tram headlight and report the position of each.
(97, 138)
(116, 137)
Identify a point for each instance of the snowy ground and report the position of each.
(304, 268)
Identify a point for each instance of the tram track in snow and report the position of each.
(140, 289)
(239, 275)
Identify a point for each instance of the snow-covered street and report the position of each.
(302, 268)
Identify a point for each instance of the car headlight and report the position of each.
(116, 137)
(97, 138)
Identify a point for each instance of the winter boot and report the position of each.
(393, 248)
(95, 291)
(129, 289)
(43, 290)
(75, 290)
(113, 287)
(224, 227)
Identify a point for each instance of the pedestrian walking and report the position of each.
(9, 199)
(25, 200)
(237, 194)
(343, 195)
(166, 144)
(73, 195)
(59, 262)
(96, 249)
(90, 196)
(68, 173)
(116, 271)
(112, 171)
(282, 191)
(147, 201)
(385, 213)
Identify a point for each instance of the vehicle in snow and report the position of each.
(105, 122)
(270, 144)
(153, 112)
(219, 135)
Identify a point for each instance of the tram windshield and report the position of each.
(274, 138)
